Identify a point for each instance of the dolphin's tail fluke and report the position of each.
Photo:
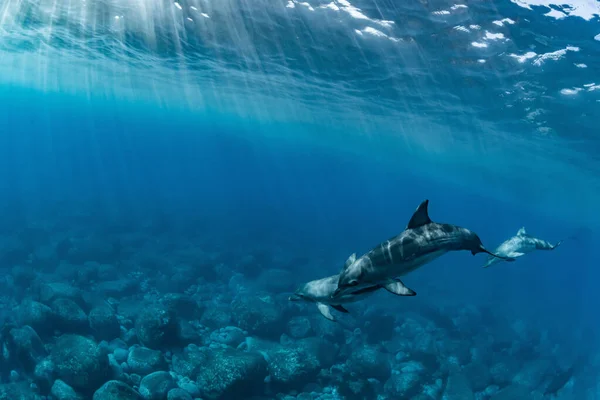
(484, 250)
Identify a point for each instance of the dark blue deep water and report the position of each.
(171, 172)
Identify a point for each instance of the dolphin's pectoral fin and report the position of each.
(325, 311)
(398, 288)
(515, 254)
(340, 308)
(420, 217)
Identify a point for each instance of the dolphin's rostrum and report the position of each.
(420, 243)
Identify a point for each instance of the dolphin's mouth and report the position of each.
(336, 293)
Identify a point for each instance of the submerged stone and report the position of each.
(533, 373)
(70, 318)
(17, 391)
(58, 290)
(80, 362)
(61, 391)
(259, 315)
(179, 394)
(104, 323)
(230, 335)
(369, 362)
(183, 305)
(458, 388)
(228, 372)
(478, 375)
(118, 288)
(299, 327)
(216, 317)
(143, 361)
(404, 386)
(157, 327)
(26, 347)
(190, 361)
(43, 374)
(116, 390)
(156, 385)
(37, 315)
(513, 392)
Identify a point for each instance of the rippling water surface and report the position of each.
(504, 92)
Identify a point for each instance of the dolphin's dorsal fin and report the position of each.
(420, 217)
(350, 260)
(522, 232)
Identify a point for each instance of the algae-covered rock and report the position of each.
(70, 318)
(229, 372)
(156, 386)
(17, 391)
(26, 347)
(80, 362)
(259, 315)
(458, 387)
(157, 327)
(59, 290)
(37, 315)
(216, 317)
(404, 385)
(299, 327)
(478, 375)
(116, 390)
(230, 336)
(104, 323)
(61, 391)
(178, 394)
(143, 361)
(369, 362)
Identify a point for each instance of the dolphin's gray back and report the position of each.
(542, 244)
(420, 242)
(525, 244)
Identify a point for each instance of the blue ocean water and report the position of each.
(171, 172)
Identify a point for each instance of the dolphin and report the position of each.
(421, 242)
(319, 291)
(519, 245)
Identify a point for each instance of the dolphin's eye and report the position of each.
(353, 283)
